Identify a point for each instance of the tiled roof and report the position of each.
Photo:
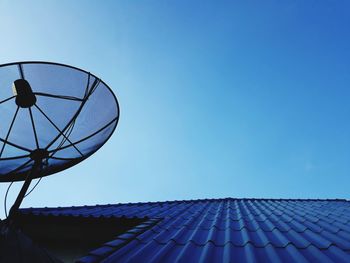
(16, 247)
(224, 230)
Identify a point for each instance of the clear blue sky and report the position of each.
(218, 98)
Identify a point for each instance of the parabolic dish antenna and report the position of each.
(52, 116)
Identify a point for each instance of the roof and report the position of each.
(223, 230)
(15, 247)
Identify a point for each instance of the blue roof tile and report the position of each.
(102, 251)
(344, 234)
(337, 240)
(337, 255)
(88, 259)
(297, 239)
(317, 240)
(223, 230)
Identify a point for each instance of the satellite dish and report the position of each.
(53, 116)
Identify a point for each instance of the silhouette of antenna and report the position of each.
(53, 116)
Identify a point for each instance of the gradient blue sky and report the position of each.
(218, 98)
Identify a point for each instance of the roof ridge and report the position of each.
(202, 200)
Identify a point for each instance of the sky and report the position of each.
(245, 99)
